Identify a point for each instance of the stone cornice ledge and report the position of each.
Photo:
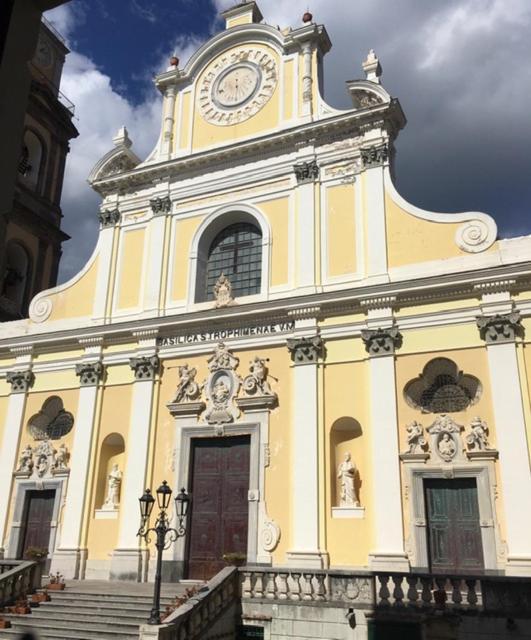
(328, 304)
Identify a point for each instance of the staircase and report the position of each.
(92, 610)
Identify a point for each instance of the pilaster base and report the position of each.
(129, 564)
(518, 566)
(70, 563)
(388, 562)
(308, 559)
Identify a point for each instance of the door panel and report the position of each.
(454, 533)
(219, 473)
(37, 521)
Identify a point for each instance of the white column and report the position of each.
(499, 332)
(305, 551)
(388, 550)
(169, 118)
(307, 173)
(373, 160)
(127, 561)
(105, 245)
(20, 382)
(70, 557)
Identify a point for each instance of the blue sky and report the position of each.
(459, 68)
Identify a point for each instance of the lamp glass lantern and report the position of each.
(182, 502)
(146, 504)
(163, 495)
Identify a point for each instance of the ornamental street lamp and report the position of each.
(165, 535)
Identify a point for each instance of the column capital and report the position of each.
(108, 217)
(306, 350)
(382, 342)
(90, 373)
(306, 171)
(160, 206)
(145, 367)
(375, 155)
(20, 381)
(500, 328)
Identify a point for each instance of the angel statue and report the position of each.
(187, 389)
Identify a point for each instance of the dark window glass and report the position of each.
(237, 252)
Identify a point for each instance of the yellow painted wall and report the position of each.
(102, 535)
(277, 212)
(184, 132)
(206, 134)
(77, 300)
(183, 233)
(130, 268)
(341, 230)
(289, 70)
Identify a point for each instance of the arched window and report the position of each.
(52, 421)
(442, 388)
(16, 275)
(30, 161)
(236, 251)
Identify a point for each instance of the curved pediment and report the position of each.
(116, 161)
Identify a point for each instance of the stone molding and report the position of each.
(90, 373)
(374, 156)
(382, 342)
(160, 206)
(306, 172)
(306, 350)
(499, 329)
(109, 217)
(20, 381)
(145, 367)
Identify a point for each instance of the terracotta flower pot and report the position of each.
(5, 624)
(55, 586)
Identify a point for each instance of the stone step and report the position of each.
(118, 599)
(58, 624)
(96, 607)
(22, 624)
(64, 622)
(89, 613)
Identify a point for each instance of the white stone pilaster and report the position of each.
(169, 118)
(307, 172)
(388, 551)
(105, 245)
(305, 550)
(70, 557)
(499, 332)
(20, 381)
(128, 559)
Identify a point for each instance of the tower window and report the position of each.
(236, 251)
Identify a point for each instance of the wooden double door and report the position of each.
(454, 532)
(37, 520)
(220, 510)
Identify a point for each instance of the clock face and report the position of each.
(237, 85)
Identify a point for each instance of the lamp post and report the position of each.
(165, 535)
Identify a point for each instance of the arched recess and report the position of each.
(343, 433)
(17, 278)
(32, 159)
(211, 226)
(112, 452)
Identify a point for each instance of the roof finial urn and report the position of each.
(371, 66)
(307, 17)
(174, 61)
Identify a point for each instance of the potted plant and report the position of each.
(38, 554)
(235, 558)
(40, 596)
(4, 624)
(56, 582)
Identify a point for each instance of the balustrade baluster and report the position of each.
(295, 586)
(383, 592)
(307, 587)
(246, 585)
(440, 594)
(398, 593)
(471, 596)
(282, 586)
(457, 598)
(426, 591)
(320, 590)
(412, 592)
(258, 585)
(270, 586)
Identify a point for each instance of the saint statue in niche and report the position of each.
(346, 472)
(446, 446)
(114, 480)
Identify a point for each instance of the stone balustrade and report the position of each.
(18, 578)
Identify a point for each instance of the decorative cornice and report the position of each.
(306, 171)
(382, 342)
(378, 302)
(500, 328)
(160, 206)
(494, 286)
(301, 313)
(90, 373)
(20, 381)
(145, 367)
(306, 350)
(109, 217)
(374, 156)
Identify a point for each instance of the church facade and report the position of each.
(338, 378)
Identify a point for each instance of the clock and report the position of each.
(236, 86)
(43, 53)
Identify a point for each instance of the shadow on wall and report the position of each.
(343, 435)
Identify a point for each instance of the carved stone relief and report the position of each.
(187, 388)
(223, 292)
(270, 535)
(160, 206)
(43, 460)
(221, 386)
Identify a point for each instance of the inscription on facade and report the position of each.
(223, 334)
